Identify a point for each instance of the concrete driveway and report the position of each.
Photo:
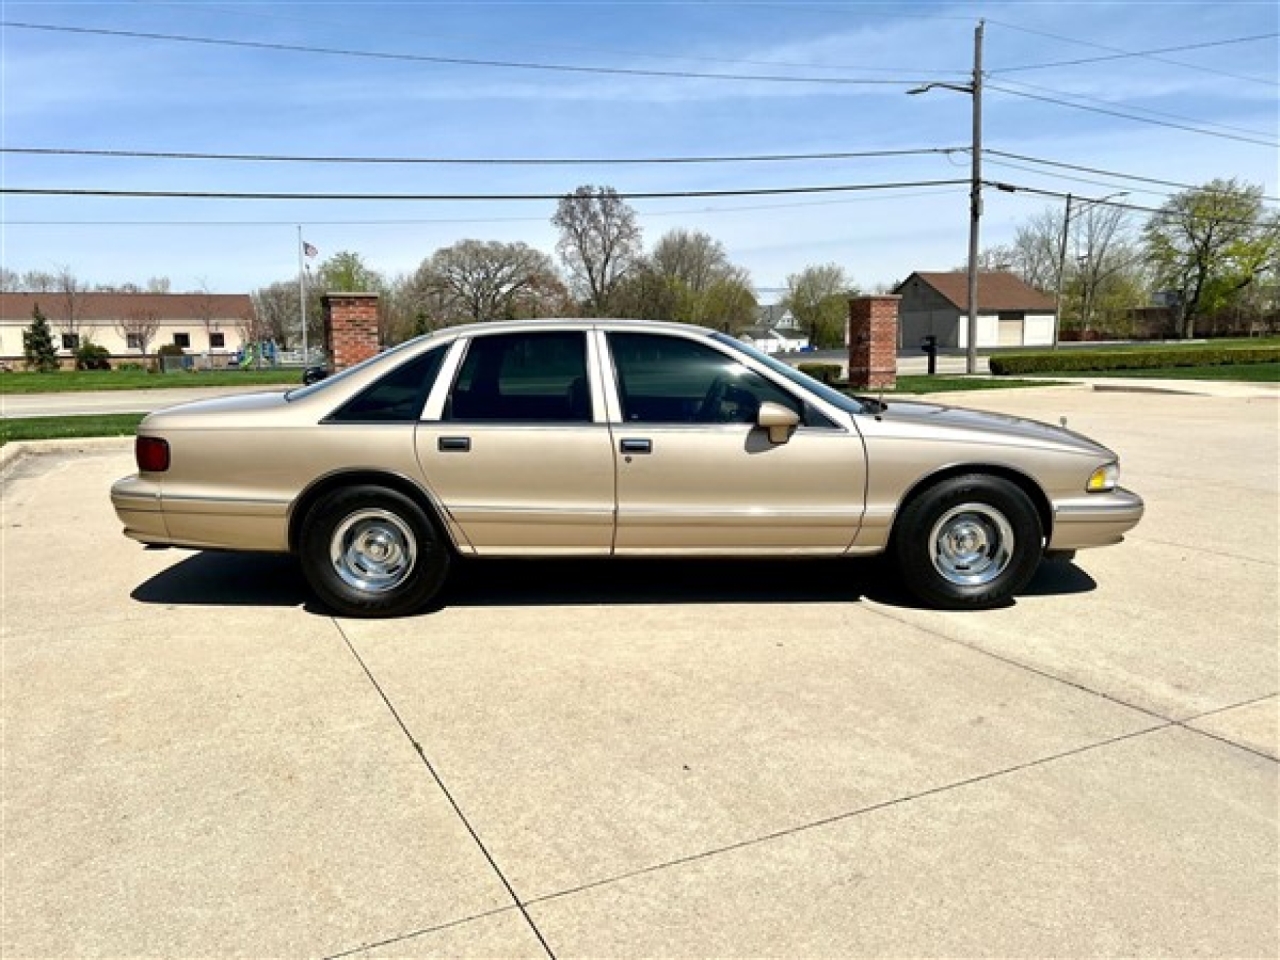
(655, 759)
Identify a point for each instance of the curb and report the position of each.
(11, 453)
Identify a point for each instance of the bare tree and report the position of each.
(600, 243)
(70, 300)
(10, 281)
(485, 279)
(275, 313)
(1101, 251)
(39, 281)
(138, 328)
(207, 311)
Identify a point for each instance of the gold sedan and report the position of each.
(611, 438)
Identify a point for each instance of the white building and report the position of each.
(209, 326)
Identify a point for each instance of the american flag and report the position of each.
(308, 249)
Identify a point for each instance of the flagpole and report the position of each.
(302, 296)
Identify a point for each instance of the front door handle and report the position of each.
(454, 444)
(637, 446)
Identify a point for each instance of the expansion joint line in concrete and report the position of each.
(457, 809)
(1184, 722)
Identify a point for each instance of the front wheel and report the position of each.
(969, 542)
(368, 551)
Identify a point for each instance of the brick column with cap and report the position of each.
(350, 327)
(873, 342)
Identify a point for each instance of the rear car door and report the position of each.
(517, 454)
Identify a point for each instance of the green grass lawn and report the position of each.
(1241, 372)
(68, 381)
(943, 384)
(56, 428)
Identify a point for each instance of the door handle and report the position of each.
(636, 446)
(454, 444)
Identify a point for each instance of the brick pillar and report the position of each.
(350, 327)
(873, 342)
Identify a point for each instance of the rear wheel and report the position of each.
(969, 542)
(372, 552)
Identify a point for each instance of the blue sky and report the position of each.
(382, 96)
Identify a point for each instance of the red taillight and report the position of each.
(152, 454)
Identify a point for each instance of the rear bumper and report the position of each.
(1094, 520)
(151, 517)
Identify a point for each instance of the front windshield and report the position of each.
(324, 384)
(834, 397)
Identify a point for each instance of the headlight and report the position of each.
(1104, 479)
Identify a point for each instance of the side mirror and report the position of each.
(780, 421)
(314, 374)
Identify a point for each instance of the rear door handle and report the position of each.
(637, 446)
(454, 444)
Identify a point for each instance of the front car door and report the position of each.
(697, 476)
(514, 448)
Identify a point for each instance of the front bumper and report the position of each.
(1095, 519)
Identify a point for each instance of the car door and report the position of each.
(696, 475)
(515, 451)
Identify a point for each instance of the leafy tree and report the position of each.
(688, 277)
(346, 272)
(818, 298)
(1208, 244)
(600, 243)
(37, 344)
(487, 280)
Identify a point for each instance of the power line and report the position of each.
(959, 187)
(482, 161)
(1105, 173)
(1155, 113)
(1104, 202)
(1149, 54)
(1096, 183)
(459, 197)
(456, 61)
(1130, 116)
(239, 11)
(1103, 46)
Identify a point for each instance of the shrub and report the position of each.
(1083, 361)
(90, 356)
(825, 372)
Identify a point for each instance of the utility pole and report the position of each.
(1062, 268)
(975, 202)
(302, 294)
(974, 89)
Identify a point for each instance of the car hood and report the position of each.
(938, 421)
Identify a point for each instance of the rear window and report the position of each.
(398, 397)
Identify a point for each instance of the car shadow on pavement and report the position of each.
(228, 580)
(269, 580)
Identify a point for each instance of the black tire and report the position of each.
(368, 551)
(968, 542)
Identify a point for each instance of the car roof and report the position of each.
(585, 323)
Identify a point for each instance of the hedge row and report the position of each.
(1082, 361)
(826, 372)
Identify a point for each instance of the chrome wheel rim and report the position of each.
(373, 551)
(972, 544)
